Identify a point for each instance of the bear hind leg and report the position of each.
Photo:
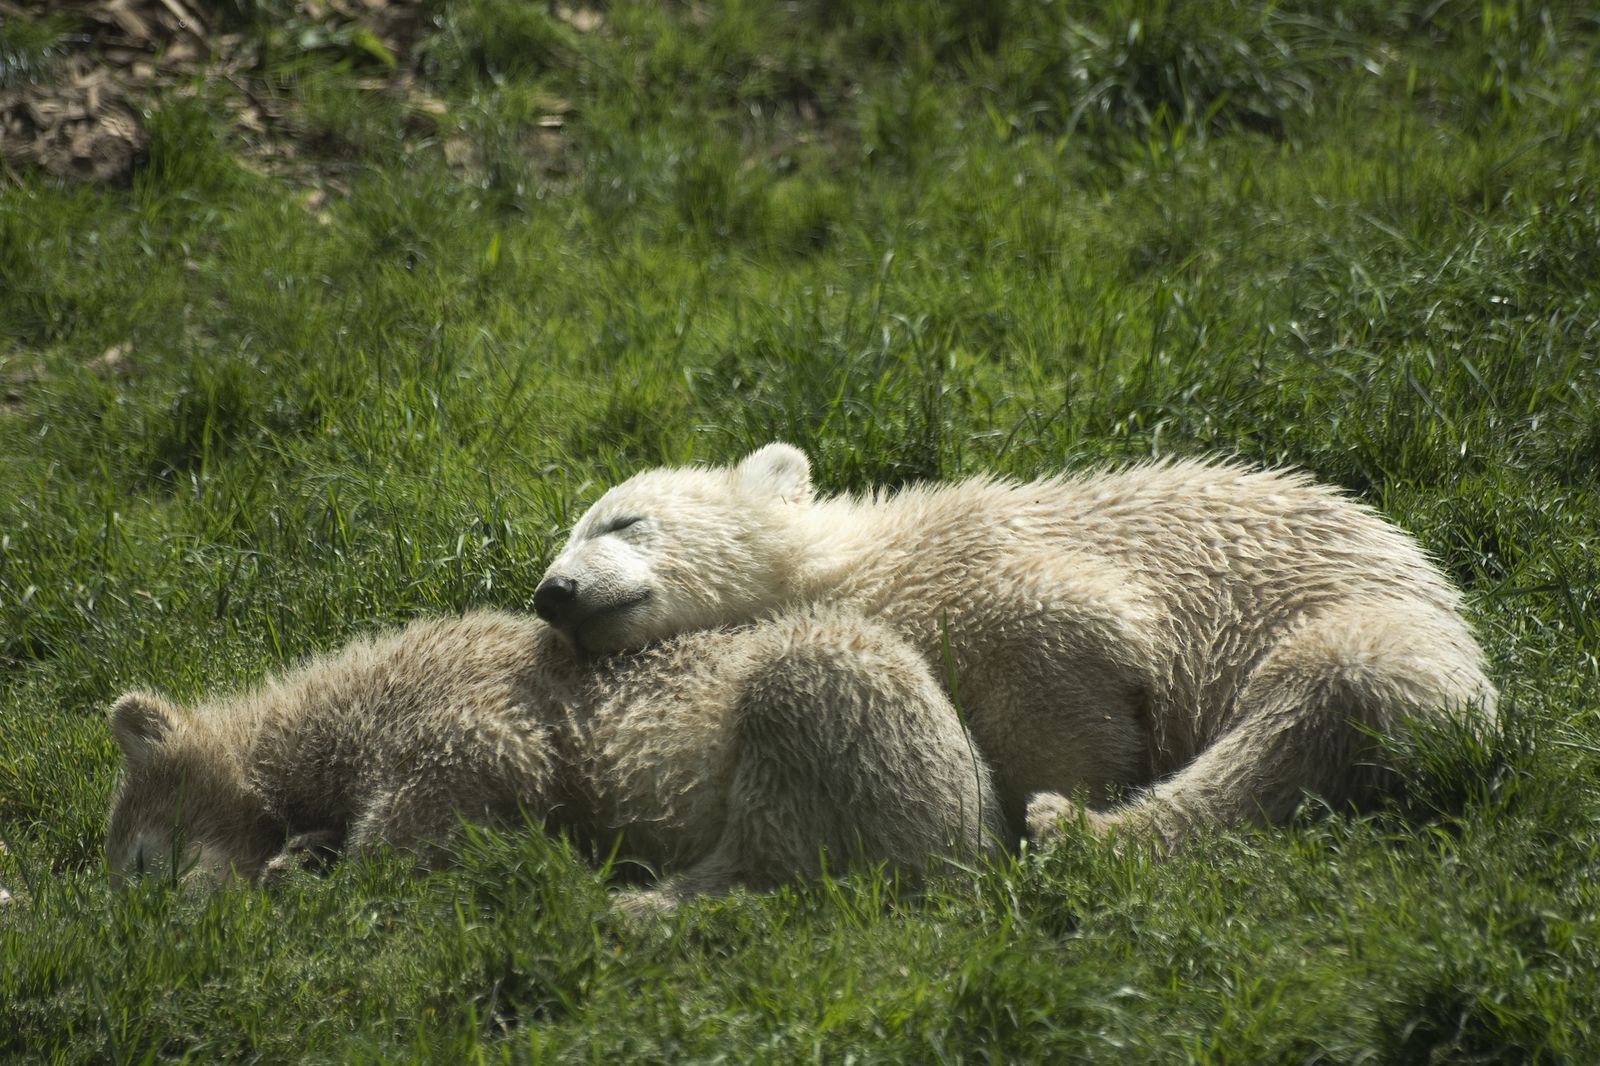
(1304, 723)
(846, 749)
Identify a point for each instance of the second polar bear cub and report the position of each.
(1187, 642)
(735, 757)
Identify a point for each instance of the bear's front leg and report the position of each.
(1059, 672)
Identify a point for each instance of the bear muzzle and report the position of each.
(556, 600)
(586, 614)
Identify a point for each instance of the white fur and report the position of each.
(1218, 638)
(723, 758)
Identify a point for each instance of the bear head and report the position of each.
(674, 550)
(183, 806)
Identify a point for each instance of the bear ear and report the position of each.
(780, 470)
(140, 721)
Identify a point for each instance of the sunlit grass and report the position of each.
(920, 240)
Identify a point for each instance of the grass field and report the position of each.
(918, 239)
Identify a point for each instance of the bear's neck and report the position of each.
(848, 552)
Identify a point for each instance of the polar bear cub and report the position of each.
(1186, 642)
(725, 758)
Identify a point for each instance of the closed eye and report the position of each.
(617, 525)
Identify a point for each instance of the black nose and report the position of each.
(553, 599)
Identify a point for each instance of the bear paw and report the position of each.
(314, 852)
(644, 905)
(1050, 814)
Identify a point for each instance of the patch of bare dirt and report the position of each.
(86, 120)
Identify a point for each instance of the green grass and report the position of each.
(918, 239)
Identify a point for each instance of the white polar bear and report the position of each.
(737, 757)
(1187, 642)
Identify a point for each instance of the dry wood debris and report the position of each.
(86, 120)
